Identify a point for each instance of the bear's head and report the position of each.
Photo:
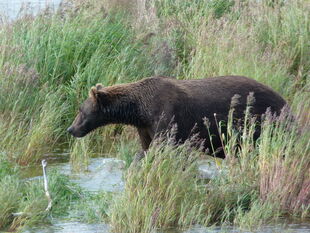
(89, 116)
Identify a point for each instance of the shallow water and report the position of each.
(107, 174)
(275, 228)
(70, 227)
(10, 9)
(103, 174)
(58, 156)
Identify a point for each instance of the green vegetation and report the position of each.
(49, 62)
(167, 190)
(259, 182)
(23, 202)
(93, 208)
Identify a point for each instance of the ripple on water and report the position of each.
(70, 227)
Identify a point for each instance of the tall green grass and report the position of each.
(79, 156)
(48, 65)
(160, 193)
(23, 202)
(48, 62)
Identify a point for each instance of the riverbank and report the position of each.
(49, 62)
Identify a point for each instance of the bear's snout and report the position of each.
(75, 132)
(70, 130)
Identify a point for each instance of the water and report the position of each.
(103, 174)
(107, 174)
(70, 227)
(10, 9)
(275, 228)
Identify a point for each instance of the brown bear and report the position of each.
(154, 104)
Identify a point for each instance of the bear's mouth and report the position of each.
(79, 134)
(76, 133)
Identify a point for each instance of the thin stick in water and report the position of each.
(47, 194)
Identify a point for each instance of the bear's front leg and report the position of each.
(138, 156)
(145, 140)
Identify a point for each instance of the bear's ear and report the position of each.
(99, 86)
(96, 92)
(93, 93)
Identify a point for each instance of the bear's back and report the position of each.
(216, 93)
(187, 102)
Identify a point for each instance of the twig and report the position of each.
(47, 194)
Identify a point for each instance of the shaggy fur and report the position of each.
(154, 104)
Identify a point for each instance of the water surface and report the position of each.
(106, 174)
(10, 9)
(70, 227)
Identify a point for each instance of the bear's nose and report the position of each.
(69, 130)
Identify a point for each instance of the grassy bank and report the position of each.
(49, 62)
(23, 202)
